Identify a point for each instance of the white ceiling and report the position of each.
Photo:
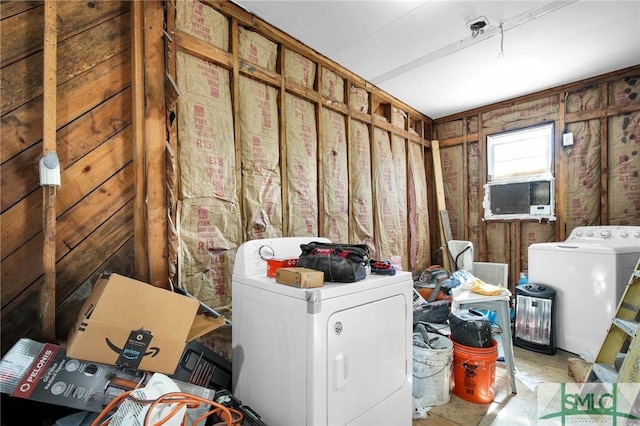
(424, 53)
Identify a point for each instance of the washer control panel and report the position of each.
(605, 233)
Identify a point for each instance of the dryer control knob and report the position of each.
(624, 234)
(605, 234)
(589, 234)
(636, 234)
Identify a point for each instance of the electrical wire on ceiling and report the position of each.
(501, 54)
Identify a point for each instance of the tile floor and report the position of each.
(507, 409)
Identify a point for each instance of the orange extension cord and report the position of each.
(229, 416)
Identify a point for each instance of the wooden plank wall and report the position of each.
(599, 103)
(94, 206)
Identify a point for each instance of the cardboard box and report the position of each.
(300, 277)
(43, 372)
(129, 323)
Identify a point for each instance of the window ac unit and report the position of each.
(530, 199)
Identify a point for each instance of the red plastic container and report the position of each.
(273, 264)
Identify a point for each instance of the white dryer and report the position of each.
(589, 271)
(340, 354)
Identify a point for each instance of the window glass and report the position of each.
(520, 154)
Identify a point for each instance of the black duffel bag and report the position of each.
(341, 263)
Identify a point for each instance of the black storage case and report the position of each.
(534, 327)
(226, 398)
(203, 367)
(470, 328)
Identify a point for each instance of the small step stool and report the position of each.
(619, 358)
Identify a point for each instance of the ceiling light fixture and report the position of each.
(477, 26)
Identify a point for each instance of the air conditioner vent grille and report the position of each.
(510, 198)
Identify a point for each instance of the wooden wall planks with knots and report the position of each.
(94, 209)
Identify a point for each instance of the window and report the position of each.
(520, 182)
(520, 154)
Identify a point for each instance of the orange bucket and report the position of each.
(474, 372)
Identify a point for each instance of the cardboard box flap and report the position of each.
(127, 303)
(202, 325)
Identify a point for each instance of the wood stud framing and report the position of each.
(240, 67)
(48, 292)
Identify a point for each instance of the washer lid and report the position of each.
(586, 247)
(607, 239)
(327, 291)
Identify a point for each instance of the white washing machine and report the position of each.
(589, 271)
(340, 354)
